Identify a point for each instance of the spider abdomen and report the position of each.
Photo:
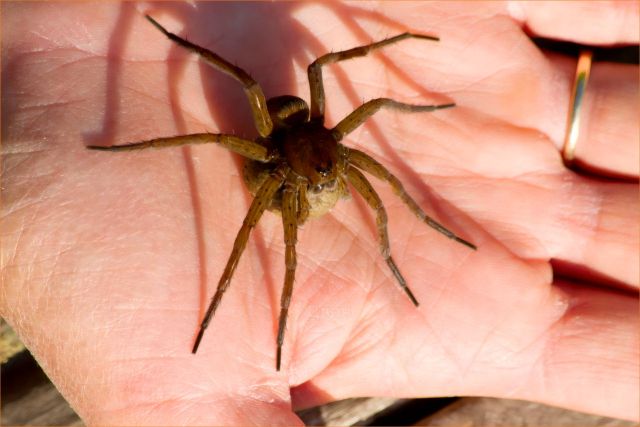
(320, 201)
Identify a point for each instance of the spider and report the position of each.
(297, 166)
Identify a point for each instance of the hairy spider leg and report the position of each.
(369, 108)
(261, 202)
(244, 147)
(303, 204)
(290, 225)
(363, 186)
(368, 164)
(252, 89)
(314, 71)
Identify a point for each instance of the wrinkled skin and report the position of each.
(109, 260)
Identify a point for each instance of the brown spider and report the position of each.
(297, 166)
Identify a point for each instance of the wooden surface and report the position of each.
(485, 411)
(29, 398)
(10, 345)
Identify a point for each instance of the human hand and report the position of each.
(110, 257)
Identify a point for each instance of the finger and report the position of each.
(586, 360)
(580, 22)
(609, 134)
(593, 351)
(562, 216)
(577, 220)
(517, 189)
(609, 138)
(606, 239)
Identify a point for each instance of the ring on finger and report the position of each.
(577, 97)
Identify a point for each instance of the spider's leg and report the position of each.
(251, 88)
(244, 147)
(358, 180)
(303, 204)
(260, 203)
(368, 164)
(314, 70)
(290, 225)
(366, 110)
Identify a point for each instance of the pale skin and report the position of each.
(108, 262)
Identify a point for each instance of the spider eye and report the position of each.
(325, 169)
(329, 185)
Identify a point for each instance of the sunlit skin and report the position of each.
(304, 159)
(110, 259)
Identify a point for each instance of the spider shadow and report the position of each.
(115, 51)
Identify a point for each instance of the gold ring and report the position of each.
(577, 97)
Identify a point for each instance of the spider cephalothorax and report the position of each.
(297, 166)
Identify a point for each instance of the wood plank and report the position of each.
(486, 411)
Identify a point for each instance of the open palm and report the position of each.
(111, 258)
